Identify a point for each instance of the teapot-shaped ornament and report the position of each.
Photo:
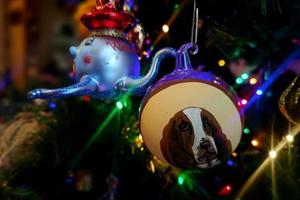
(189, 118)
(106, 64)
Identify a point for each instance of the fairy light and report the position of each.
(180, 180)
(152, 166)
(239, 80)
(234, 154)
(245, 76)
(228, 187)
(253, 81)
(259, 92)
(119, 105)
(244, 101)
(290, 138)
(221, 63)
(165, 28)
(254, 142)
(246, 131)
(52, 105)
(230, 163)
(273, 154)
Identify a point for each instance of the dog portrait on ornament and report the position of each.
(194, 138)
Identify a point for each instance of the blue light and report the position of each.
(239, 80)
(245, 76)
(52, 105)
(230, 163)
(259, 92)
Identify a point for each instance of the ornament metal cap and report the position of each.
(109, 14)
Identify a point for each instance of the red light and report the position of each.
(228, 187)
(244, 101)
(225, 191)
(86, 98)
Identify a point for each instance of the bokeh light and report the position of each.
(119, 105)
(259, 92)
(290, 138)
(180, 180)
(52, 105)
(165, 28)
(244, 101)
(245, 76)
(230, 163)
(254, 142)
(253, 81)
(246, 130)
(273, 154)
(239, 80)
(221, 63)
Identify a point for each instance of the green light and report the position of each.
(239, 80)
(119, 105)
(176, 6)
(125, 103)
(180, 180)
(245, 76)
(246, 131)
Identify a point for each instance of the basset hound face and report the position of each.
(193, 138)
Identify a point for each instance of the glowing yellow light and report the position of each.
(221, 63)
(254, 143)
(234, 154)
(165, 28)
(290, 138)
(139, 141)
(272, 154)
(152, 166)
(253, 81)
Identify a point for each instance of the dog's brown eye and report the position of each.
(184, 126)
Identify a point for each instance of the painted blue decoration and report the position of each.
(105, 67)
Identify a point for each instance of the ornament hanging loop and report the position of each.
(183, 61)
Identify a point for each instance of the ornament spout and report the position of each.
(182, 57)
(86, 86)
(127, 83)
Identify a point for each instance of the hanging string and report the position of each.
(193, 22)
(194, 34)
(196, 26)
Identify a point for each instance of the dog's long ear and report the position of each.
(169, 133)
(224, 146)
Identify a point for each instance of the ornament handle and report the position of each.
(86, 86)
(183, 61)
(127, 83)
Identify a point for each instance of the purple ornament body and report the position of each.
(190, 118)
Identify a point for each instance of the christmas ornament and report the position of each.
(106, 64)
(289, 102)
(190, 118)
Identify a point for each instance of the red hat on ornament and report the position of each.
(109, 14)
